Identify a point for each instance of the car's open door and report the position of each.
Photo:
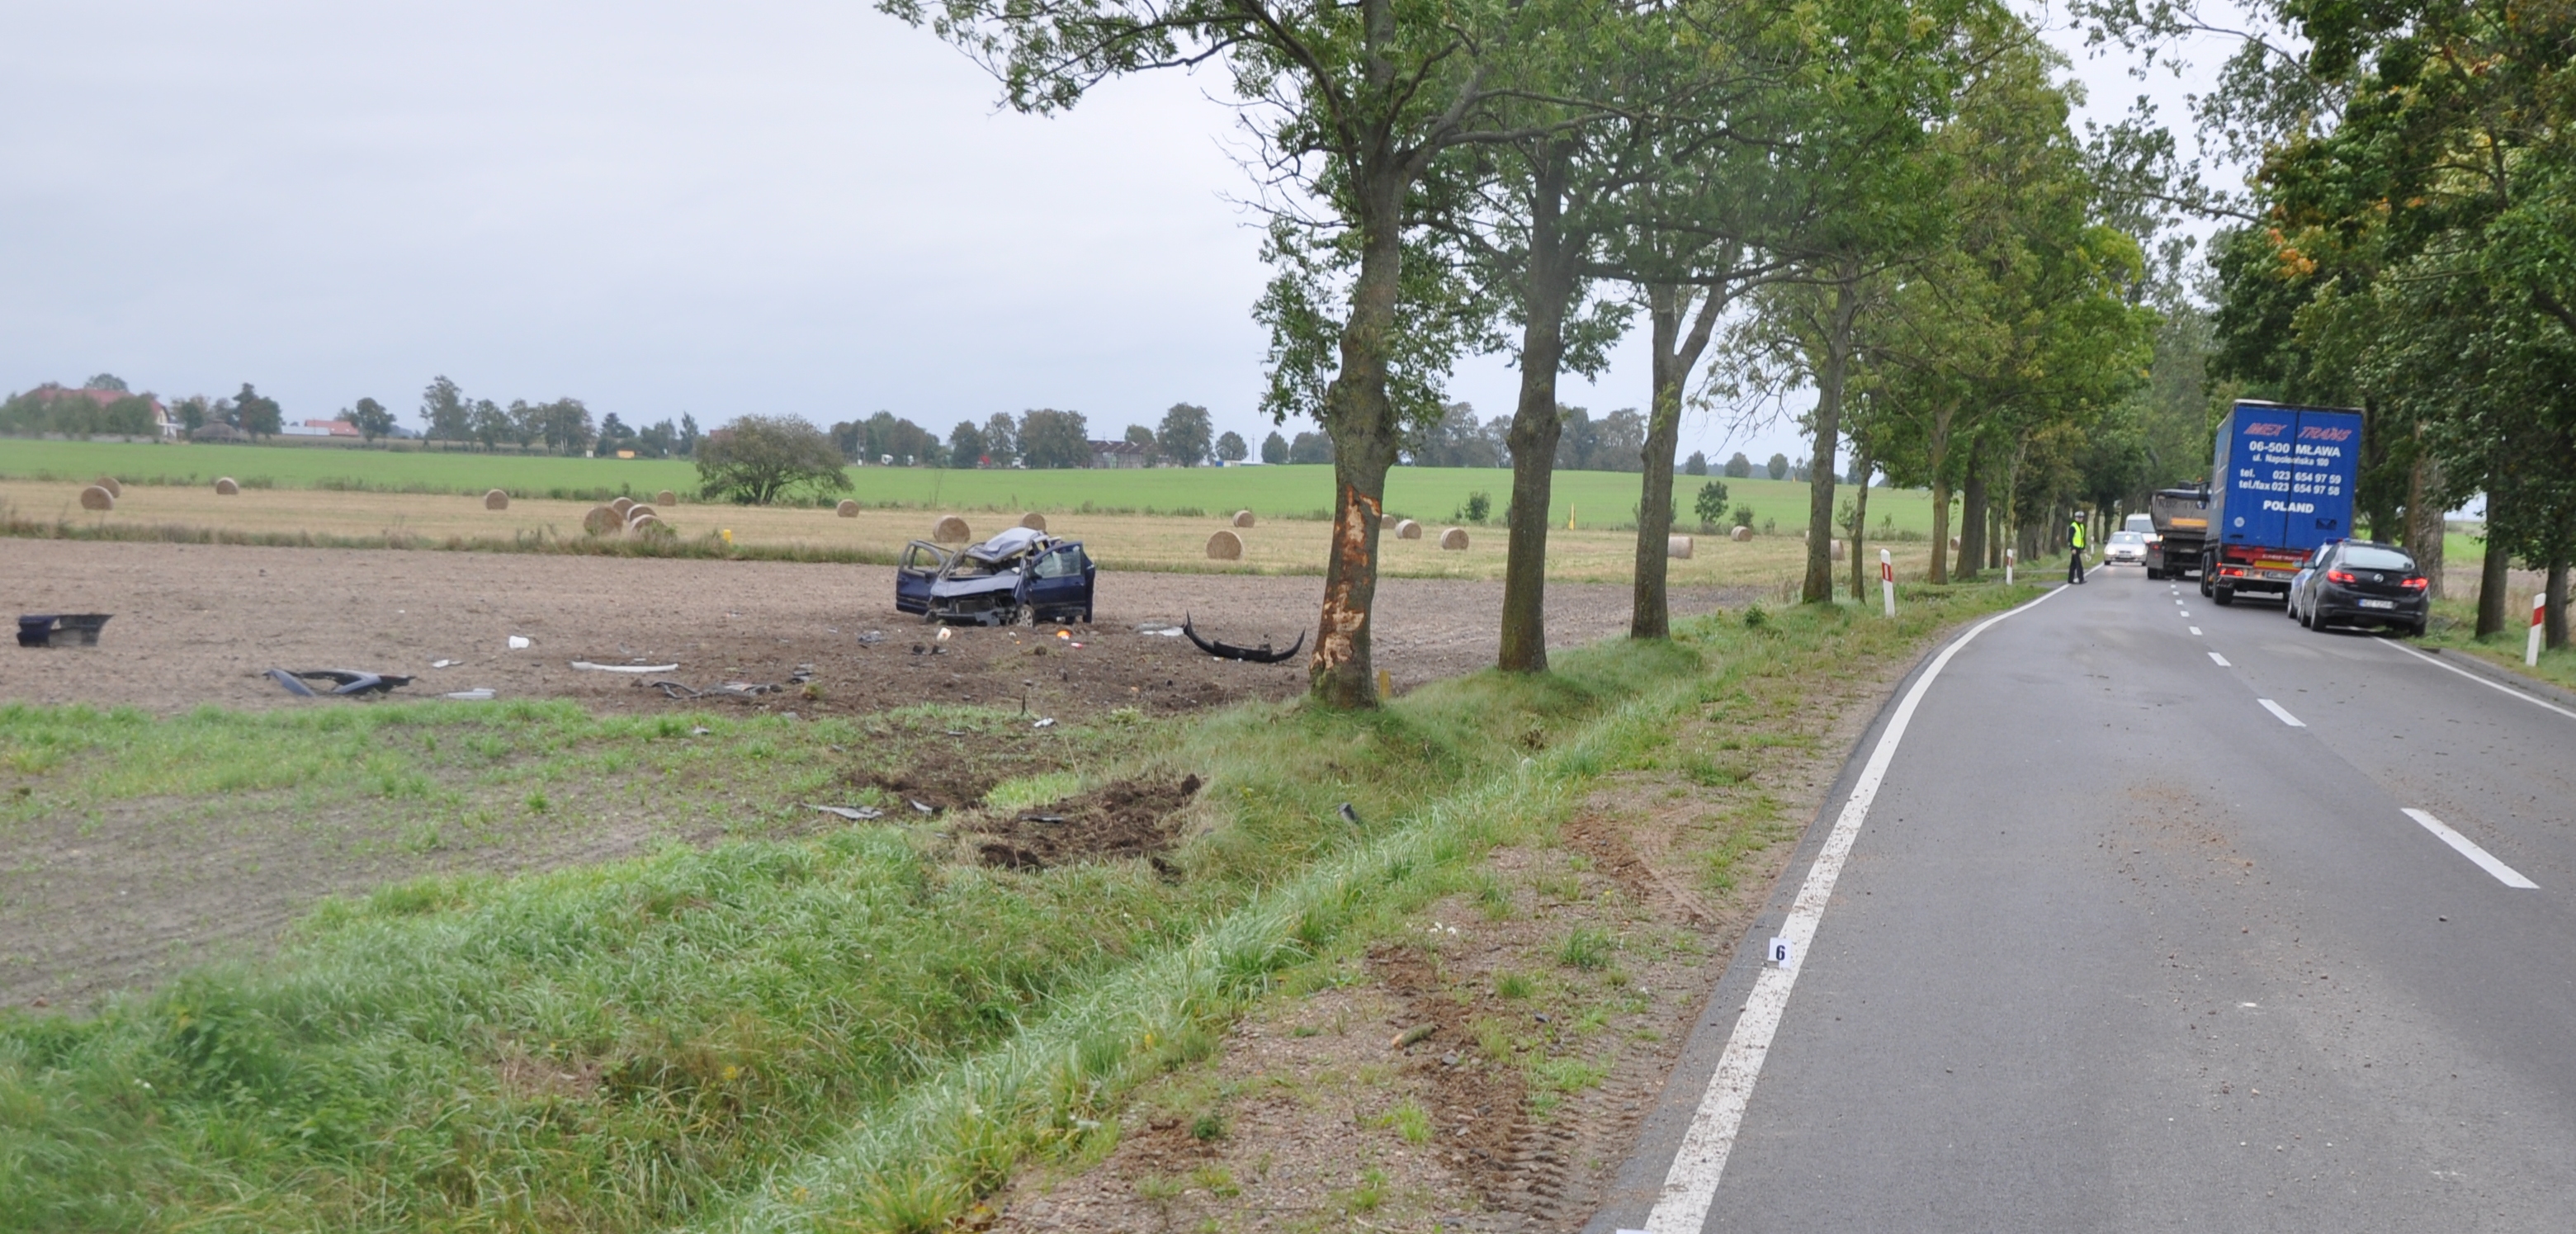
(1059, 584)
(914, 572)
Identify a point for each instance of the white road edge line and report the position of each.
(2221, 661)
(2492, 685)
(1690, 1187)
(2286, 717)
(2485, 860)
(2195, 631)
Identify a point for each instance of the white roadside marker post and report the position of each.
(2539, 612)
(2008, 565)
(1887, 581)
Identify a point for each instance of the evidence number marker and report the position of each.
(2468, 848)
(2276, 709)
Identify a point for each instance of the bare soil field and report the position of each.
(200, 624)
(94, 900)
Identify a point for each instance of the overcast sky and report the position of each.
(763, 206)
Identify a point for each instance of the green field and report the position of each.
(1432, 494)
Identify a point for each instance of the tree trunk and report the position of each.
(1940, 529)
(2424, 527)
(1535, 423)
(1650, 616)
(1860, 525)
(2553, 624)
(1972, 518)
(1819, 588)
(1361, 420)
(2492, 580)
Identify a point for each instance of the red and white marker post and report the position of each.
(1887, 581)
(2008, 565)
(2539, 611)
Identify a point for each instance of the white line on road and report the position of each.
(2195, 630)
(2221, 661)
(2492, 685)
(2183, 613)
(2286, 717)
(1691, 1185)
(2485, 860)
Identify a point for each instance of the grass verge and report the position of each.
(837, 1031)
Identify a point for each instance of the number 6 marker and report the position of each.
(1782, 954)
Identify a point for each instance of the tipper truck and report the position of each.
(2281, 483)
(2181, 522)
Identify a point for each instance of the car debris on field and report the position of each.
(1020, 575)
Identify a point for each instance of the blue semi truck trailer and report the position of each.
(2281, 483)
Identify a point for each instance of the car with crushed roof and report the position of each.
(1020, 575)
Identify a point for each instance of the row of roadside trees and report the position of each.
(1876, 203)
(2408, 248)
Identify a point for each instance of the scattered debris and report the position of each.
(1048, 722)
(477, 695)
(588, 667)
(730, 689)
(1227, 651)
(921, 807)
(60, 630)
(520, 642)
(1348, 814)
(856, 814)
(872, 638)
(352, 682)
(445, 663)
(1041, 818)
(1416, 1033)
(700, 731)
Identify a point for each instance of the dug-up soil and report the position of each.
(1473, 1071)
(1126, 818)
(200, 624)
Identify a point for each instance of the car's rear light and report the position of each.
(2415, 584)
(2340, 576)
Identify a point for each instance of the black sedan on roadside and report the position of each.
(2360, 582)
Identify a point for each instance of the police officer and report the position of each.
(2075, 538)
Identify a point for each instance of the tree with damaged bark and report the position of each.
(1357, 105)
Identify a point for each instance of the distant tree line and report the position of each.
(103, 406)
(563, 426)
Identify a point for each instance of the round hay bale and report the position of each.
(496, 500)
(601, 520)
(1842, 550)
(1385, 521)
(847, 508)
(1954, 544)
(666, 498)
(640, 511)
(1741, 535)
(1408, 530)
(96, 498)
(1454, 539)
(1679, 547)
(1225, 546)
(1033, 520)
(647, 524)
(1243, 518)
(226, 486)
(951, 529)
(109, 483)
(625, 506)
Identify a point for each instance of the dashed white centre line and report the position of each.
(2468, 848)
(2219, 660)
(2195, 631)
(2183, 613)
(2278, 710)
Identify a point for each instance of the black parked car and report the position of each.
(2361, 583)
(1017, 575)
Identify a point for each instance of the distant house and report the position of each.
(320, 428)
(163, 425)
(1117, 454)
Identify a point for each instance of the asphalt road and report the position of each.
(2117, 946)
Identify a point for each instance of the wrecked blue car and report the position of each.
(1019, 575)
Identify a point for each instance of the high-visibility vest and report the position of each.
(2075, 534)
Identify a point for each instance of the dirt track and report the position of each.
(200, 624)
